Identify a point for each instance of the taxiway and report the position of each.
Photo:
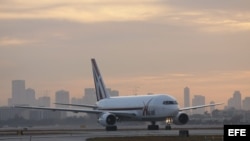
(81, 135)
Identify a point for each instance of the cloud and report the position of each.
(80, 11)
(222, 21)
(227, 5)
(7, 41)
(209, 16)
(158, 46)
(203, 15)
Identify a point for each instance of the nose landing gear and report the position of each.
(168, 123)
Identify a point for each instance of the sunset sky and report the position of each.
(141, 46)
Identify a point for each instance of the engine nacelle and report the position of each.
(181, 118)
(107, 119)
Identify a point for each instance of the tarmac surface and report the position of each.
(82, 135)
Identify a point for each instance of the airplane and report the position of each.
(147, 108)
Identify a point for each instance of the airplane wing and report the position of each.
(199, 106)
(125, 114)
(60, 109)
(78, 105)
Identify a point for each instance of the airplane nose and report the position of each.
(171, 111)
(174, 110)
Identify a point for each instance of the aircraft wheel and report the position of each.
(111, 128)
(168, 127)
(153, 127)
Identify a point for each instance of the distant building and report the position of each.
(198, 100)
(230, 103)
(246, 103)
(62, 96)
(76, 101)
(30, 97)
(18, 93)
(212, 107)
(114, 93)
(89, 96)
(235, 101)
(7, 113)
(43, 101)
(187, 98)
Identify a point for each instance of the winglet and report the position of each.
(101, 91)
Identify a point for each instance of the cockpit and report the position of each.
(170, 102)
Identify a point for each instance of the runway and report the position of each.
(78, 135)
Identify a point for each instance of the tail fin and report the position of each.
(101, 91)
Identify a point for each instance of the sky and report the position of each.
(141, 46)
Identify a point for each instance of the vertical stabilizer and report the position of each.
(101, 91)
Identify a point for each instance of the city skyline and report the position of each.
(235, 103)
(29, 96)
(141, 46)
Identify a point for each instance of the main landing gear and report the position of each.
(153, 126)
(111, 128)
(168, 127)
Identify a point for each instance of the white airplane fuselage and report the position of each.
(155, 107)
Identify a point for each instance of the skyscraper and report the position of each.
(235, 101)
(62, 96)
(246, 103)
(43, 101)
(18, 92)
(30, 97)
(89, 96)
(198, 100)
(186, 97)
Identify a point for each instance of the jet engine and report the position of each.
(181, 118)
(107, 119)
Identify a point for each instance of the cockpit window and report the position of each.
(169, 102)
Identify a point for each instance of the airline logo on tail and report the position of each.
(101, 91)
